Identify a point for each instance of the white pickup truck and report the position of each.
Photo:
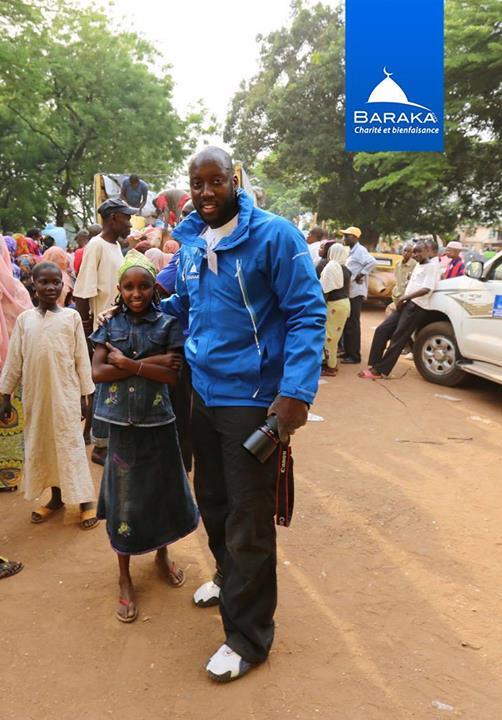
(462, 332)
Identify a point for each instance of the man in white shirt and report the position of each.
(398, 328)
(96, 286)
(360, 263)
(314, 240)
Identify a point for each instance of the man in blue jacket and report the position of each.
(248, 290)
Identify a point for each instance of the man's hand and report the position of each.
(291, 414)
(401, 303)
(5, 409)
(117, 358)
(104, 316)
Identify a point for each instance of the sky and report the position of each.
(211, 45)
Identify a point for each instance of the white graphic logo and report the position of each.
(409, 121)
(388, 91)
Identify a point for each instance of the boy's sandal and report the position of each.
(8, 488)
(369, 375)
(127, 618)
(88, 519)
(43, 513)
(9, 567)
(329, 372)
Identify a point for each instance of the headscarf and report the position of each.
(338, 253)
(22, 244)
(158, 258)
(143, 246)
(153, 235)
(136, 259)
(14, 299)
(11, 244)
(171, 246)
(59, 257)
(26, 264)
(332, 275)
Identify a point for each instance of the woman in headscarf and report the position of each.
(26, 263)
(22, 247)
(158, 258)
(58, 256)
(171, 246)
(12, 248)
(335, 281)
(143, 246)
(14, 299)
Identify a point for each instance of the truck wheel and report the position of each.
(436, 355)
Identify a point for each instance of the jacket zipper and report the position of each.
(249, 307)
(240, 277)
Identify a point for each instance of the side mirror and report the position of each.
(474, 269)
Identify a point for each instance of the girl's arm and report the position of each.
(102, 371)
(109, 363)
(161, 372)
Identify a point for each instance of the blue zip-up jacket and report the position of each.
(256, 328)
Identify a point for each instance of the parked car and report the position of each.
(462, 332)
(382, 279)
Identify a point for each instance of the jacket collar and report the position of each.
(151, 316)
(189, 230)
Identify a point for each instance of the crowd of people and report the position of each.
(161, 348)
(343, 270)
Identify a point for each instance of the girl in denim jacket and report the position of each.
(144, 496)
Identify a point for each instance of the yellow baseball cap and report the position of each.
(352, 231)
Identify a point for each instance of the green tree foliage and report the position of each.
(290, 118)
(80, 98)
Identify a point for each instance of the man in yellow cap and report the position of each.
(360, 263)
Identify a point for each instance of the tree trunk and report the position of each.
(60, 215)
(370, 237)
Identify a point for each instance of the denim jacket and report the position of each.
(136, 400)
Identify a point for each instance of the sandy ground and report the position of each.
(390, 583)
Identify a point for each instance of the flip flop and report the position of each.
(127, 604)
(8, 488)
(369, 375)
(9, 567)
(44, 514)
(172, 577)
(88, 515)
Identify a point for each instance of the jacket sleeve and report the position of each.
(300, 299)
(178, 304)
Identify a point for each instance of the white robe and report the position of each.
(48, 355)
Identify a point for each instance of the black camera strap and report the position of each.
(285, 488)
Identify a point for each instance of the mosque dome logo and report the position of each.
(388, 91)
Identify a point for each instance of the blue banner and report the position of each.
(394, 75)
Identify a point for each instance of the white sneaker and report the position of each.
(226, 665)
(408, 356)
(207, 595)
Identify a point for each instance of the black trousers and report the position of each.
(397, 328)
(352, 330)
(236, 498)
(181, 399)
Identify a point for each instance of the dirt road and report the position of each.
(390, 582)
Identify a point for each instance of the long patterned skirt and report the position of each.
(12, 446)
(145, 496)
